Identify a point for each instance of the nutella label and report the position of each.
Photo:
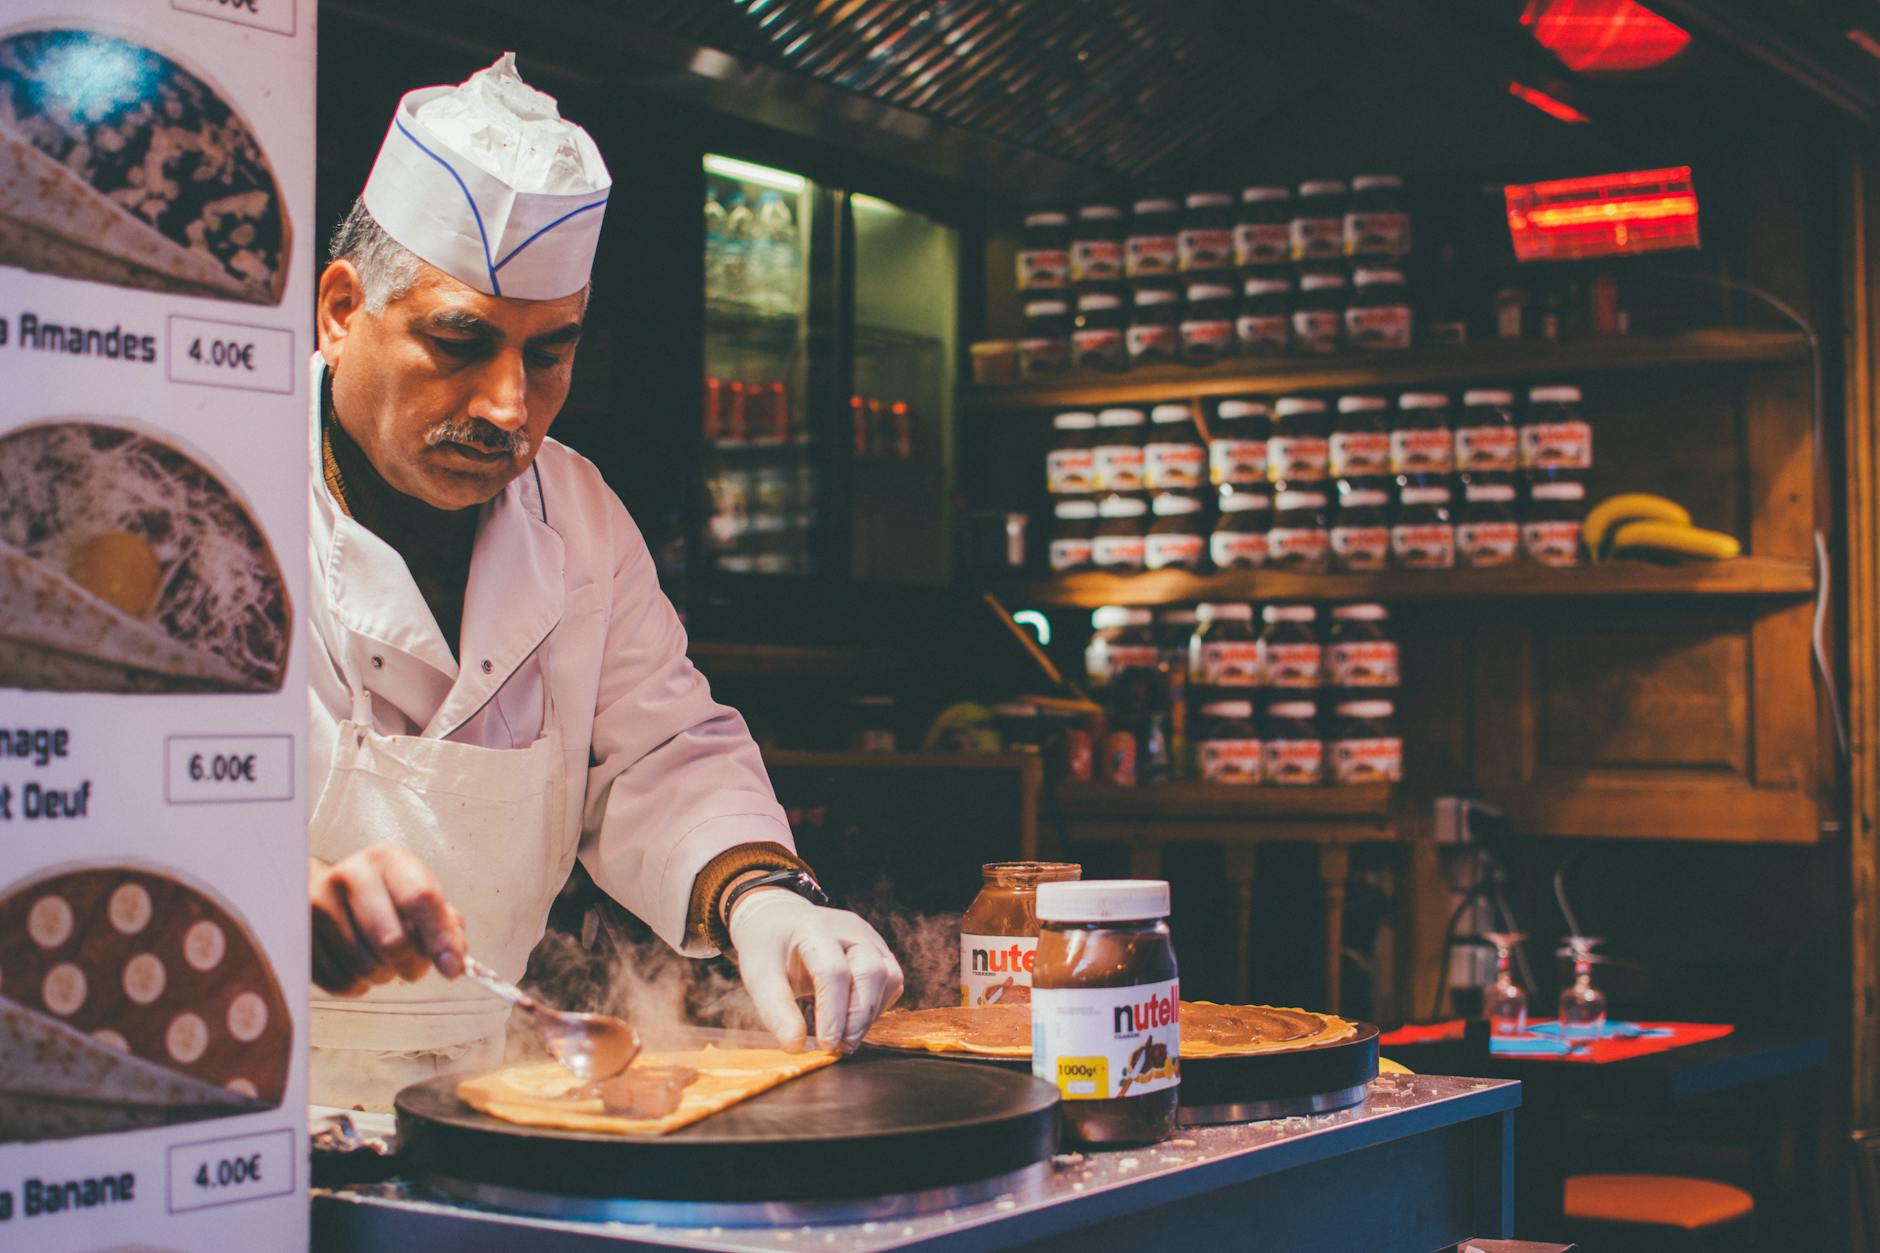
(1119, 467)
(1133, 657)
(1293, 665)
(1296, 546)
(1557, 446)
(1360, 454)
(1101, 1044)
(1160, 552)
(1070, 554)
(1367, 761)
(1096, 347)
(1237, 550)
(1150, 342)
(1229, 663)
(1149, 254)
(1298, 458)
(1231, 761)
(1377, 234)
(1424, 546)
(1486, 448)
(1263, 332)
(1261, 243)
(1316, 330)
(1365, 663)
(1317, 237)
(1173, 465)
(1361, 547)
(1488, 543)
(1068, 471)
(1210, 248)
(1237, 462)
(1211, 333)
(1043, 267)
(1044, 354)
(1096, 260)
(1119, 552)
(1295, 763)
(1379, 326)
(995, 967)
(1552, 543)
(1421, 452)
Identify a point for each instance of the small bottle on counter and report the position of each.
(1361, 438)
(999, 930)
(1237, 443)
(1318, 224)
(1119, 449)
(1377, 221)
(1291, 655)
(1554, 434)
(1224, 651)
(1176, 539)
(1046, 345)
(1378, 316)
(1150, 245)
(1122, 641)
(1361, 531)
(1263, 231)
(1420, 440)
(1424, 535)
(1264, 327)
(1366, 747)
(1487, 533)
(1207, 327)
(1206, 239)
(1097, 244)
(1487, 440)
(1318, 319)
(1070, 468)
(1239, 540)
(1044, 258)
(1097, 334)
(1154, 320)
(1174, 457)
(1300, 538)
(1299, 449)
(1362, 654)
(1295, 749)
(1550, 534)
(1073, 535)
(1122, 536)
(1227, 744)
(1104, 957)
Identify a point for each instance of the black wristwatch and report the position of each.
(799, 881)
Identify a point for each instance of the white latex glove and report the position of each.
(788, 948)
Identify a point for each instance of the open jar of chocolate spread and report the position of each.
(1106, 1009)
(999, 930)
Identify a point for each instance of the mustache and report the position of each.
(480, 434)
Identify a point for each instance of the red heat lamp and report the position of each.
(1604, 36)
(1608, 215)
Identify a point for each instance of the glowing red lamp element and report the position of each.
(1559, 110)
(1604, 36)
(1609, 215)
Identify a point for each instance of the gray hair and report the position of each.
(387, 268)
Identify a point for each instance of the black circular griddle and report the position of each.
(866, 1127)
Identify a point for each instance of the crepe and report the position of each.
(1207, 1030)
(537, 1095)
(126, 565)
(118, 165)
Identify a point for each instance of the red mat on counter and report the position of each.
(1597, 1051)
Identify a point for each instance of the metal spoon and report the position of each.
(588, 1046)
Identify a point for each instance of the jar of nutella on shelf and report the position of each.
(1299, 449)
(1424, 535)
(1318, 319)
(1119, 449)
(1227, 744)
(1122, 641)
(1070, 468)
(1206, 239)
(1291, 655)
(1150, 245)
(1362, 654)
(1361, 531)
(1174, 631)
(1554, 434)
(1097, 334)
(1318, 222)
(1207, 327)
(1487, 440)
(1225, 650)
(1239, 541)
(1176, 539)
(1073, 535)
(1421, 442)
(1097, 244)
(1174, 457)
(1361, 438)
(999, 930)
(1295, 750)
(1366, 747)
(1264, 327)
(1263, 231)
(1300, 538)
(1378, 315)
(1044, 259)
(1104, 955)
(1550, 534)
(1046, 345)
(1154, 322)
(1237, 443)
(1122, 535)
(1487, 533)
(1377, 222)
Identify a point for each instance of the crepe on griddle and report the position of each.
(540, 1094)
(126, 565)
(1207, 1030)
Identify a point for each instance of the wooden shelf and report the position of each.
(1491, 361)
(1742, 576)
(1190, 798)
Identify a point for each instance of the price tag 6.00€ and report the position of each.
(210, 769)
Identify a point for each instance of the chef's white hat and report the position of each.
(487, 182)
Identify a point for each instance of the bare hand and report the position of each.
(380, 915)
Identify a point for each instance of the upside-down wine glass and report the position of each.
(1507, 1002)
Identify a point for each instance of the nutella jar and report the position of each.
(1044, 259)
(1224, 651)
(1106, 1009)
(1123, 641)
(1361, 444)
(1420, 438)
(999, 930)
(1298, 450)
(1264, 327)
(1073, 536)
(1263, 231)
(1361, 531)
(1154, 321)
(1295, 753)
(1365, 745)
(1487, 533)
(1046, 346)
(1554, 436)
(1237, 443)
(1206, 239)
(1550, 534)
(1239, 541)
(1097, 335)
(1318, 222)
(1119, 449)
(1424, 535)
(1174, 456)
(1070, 468)
(1362, 653)
(1149, 245)
(1378, 315)
(1377, 224)
(1300, 538)
(1487, 440)
(1097, 244)
(1176, 539)
(1122, 536)
(1227, 745)
(1291, 655)
(1318, 319)
(1207, 327)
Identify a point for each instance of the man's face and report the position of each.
(448, 391)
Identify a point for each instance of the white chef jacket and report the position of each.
(661, 778)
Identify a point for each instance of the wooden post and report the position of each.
(1334, 869)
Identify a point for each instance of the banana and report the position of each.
(1648, 537)
(1609, 515)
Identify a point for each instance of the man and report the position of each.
(498, 684)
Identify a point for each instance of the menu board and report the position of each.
(156, 197)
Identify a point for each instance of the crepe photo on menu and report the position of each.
(127, 565)
(129, 998)
(118, 165)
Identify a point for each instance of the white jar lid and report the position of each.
(1423, 400)
(1099, 212)
(1045, 308)
(1360, 613)
(1299, 500)
(1175, 504)
(1376, 182)
(1103, 900)
(1241, 409)
(1363, 498)
(1075, 510)
(1425, 495)
(1558, 491)
(1209, 291)
(1109, 616)
(1290, 613)
(1362, 404)
(1099, 300)
(1123, 507)
(1156, 296)
(1293, 709)
(1265, 286)
(1321, 282)
(1287, 406)
(1173, 412)
(1228, 709)
(1487, 396)
(1492, 492)
(1554, 395)
(1322, 187)
(1228, 612)
(1369, 277)
(1180, 615)
(1208, 199)
(1255, 195)
(1120, 417)
(1367, 709)
(1154, 204)
(1242, 502)
(1075, 421)
(1046, 217)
